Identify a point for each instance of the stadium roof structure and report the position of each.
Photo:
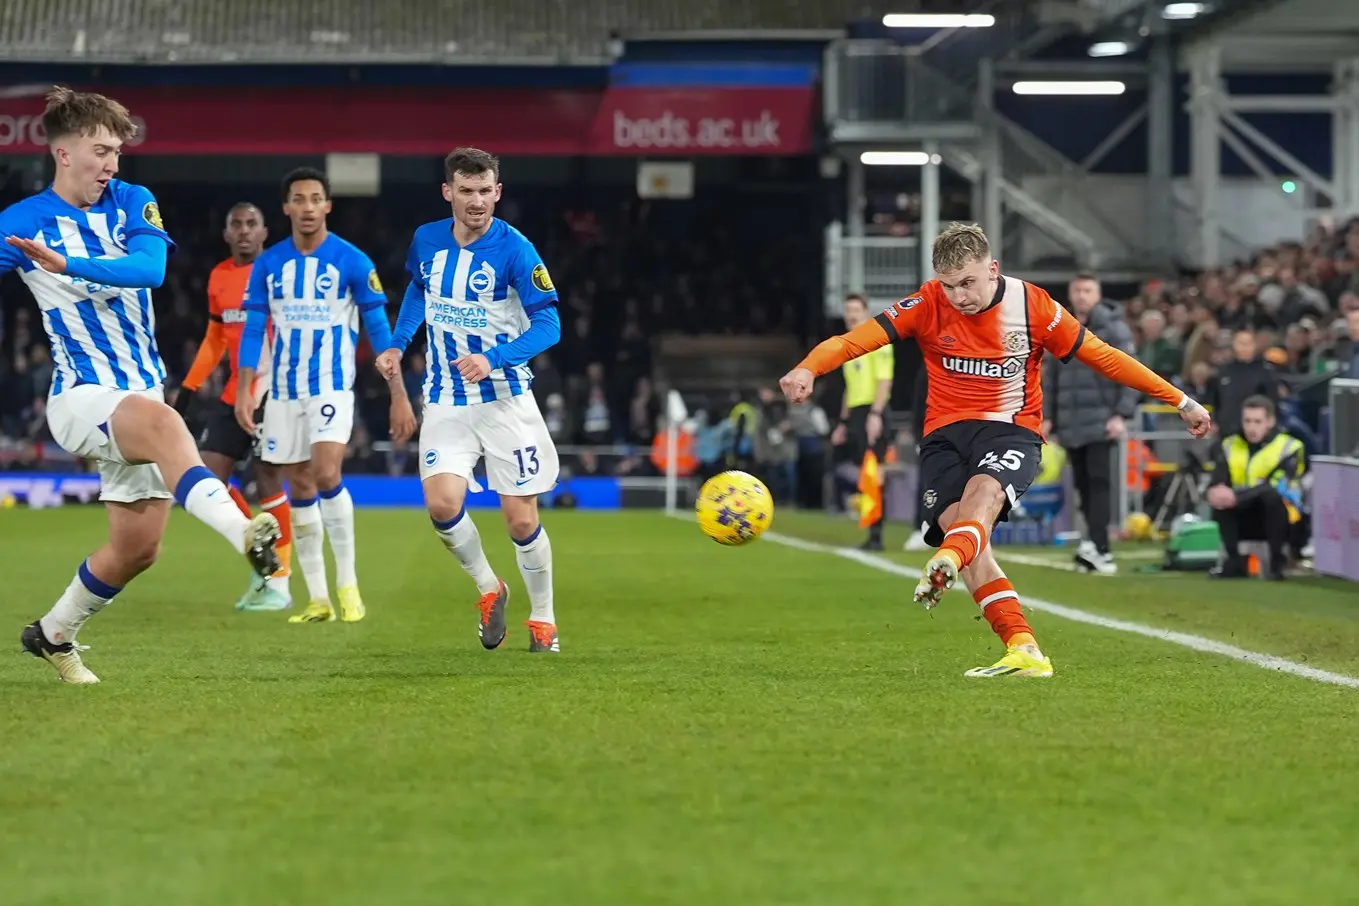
(1281, 35)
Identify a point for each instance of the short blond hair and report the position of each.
(958, 245)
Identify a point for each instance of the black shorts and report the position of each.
(950, 456)
(221, 433)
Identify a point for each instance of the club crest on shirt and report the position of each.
(1014, 341)
(151, 214)
(541, 279)
(482, 280)
(373, 282)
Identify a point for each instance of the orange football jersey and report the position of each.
(986, 366)
(226, 323)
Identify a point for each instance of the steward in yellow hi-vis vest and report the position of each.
(863, 420)
(1256, 489)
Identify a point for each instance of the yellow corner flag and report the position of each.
(870, 491)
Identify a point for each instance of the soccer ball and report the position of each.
(1137, 527)
(734, 508)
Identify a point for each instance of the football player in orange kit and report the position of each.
(983, 336)
(223, 443)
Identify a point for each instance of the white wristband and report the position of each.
(1184, 402)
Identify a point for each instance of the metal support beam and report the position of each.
(1133, 73)
(1205, 157)
(1114, 138)
(1351, 159)
(1272, 148)
(1280, 103)
(992, 216)
(855, 218)
(1257, 166)
(1345, 137)
(929, 209)
(1161, 153)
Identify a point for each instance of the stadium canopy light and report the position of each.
(938, 20)
(1109, 49)
(1182, 10)
(1069, 89)
(894, 158)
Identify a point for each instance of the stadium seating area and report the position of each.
(260, 30)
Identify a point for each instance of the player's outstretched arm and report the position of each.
(829, 355)
(1122, 368)
(142, 268)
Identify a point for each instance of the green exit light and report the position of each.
(1289, 187)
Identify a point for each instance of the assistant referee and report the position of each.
(868, 390)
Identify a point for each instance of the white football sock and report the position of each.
(337, 512)
(204, 497)
(83, 598)
(463, 541)
(309, 539)
(281, 585)
(535, 565)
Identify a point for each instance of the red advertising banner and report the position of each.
(506, 121)
(215, 120)
(693, 121)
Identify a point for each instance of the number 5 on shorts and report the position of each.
(1010, 459)
(527, 457)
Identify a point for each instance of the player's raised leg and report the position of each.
(337, 514)
(446, 500)
(145, 430)
(135, 531)
(965, 536)
(999, 603)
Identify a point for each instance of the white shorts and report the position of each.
(79, 421)
(521, 459)
(292, 426)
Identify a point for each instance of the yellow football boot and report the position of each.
(351, 605)
(318, 611)
(1019, 660)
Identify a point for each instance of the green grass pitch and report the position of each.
(759, 725)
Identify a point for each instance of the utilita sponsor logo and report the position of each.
(671, 131)
(28, 130)
(984, 368)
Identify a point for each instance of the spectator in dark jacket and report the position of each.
(1087, 412)
(1246, 375)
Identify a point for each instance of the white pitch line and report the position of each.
(1183, 639)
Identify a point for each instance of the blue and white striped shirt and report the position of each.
(315, 301)
(477, 299)
(101, 334)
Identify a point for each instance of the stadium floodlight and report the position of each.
(894, 158)
(1109, 48)
(938, 20)
(1069, 89)
(1182, 10)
